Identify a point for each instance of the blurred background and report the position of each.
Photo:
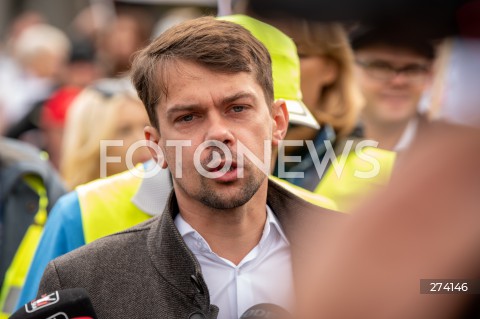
(61, 13)
(392, 71)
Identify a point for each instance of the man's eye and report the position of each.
(186, 118)
(238, 108)
(381, 67)
(415, 69)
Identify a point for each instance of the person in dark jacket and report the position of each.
(227, 239)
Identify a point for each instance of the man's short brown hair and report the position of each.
(221, 46)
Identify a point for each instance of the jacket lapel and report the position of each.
(176, 263)
(179, 267)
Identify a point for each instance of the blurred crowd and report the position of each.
(383, 97)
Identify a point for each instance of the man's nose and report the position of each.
(400, 78)
(219, 129)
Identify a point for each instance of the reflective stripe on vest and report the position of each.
(358, 176)
(106, 205)
(313, 198)
(17, 272)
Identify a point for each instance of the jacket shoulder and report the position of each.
(107, 249)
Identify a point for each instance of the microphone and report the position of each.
(266, 311)
(61, 304)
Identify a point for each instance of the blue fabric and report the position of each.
(311, 178)
(63, 233)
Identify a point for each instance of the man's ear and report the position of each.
(153, 139)
(280, 121)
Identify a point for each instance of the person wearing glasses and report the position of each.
(393, 70)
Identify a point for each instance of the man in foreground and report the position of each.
(223, 243)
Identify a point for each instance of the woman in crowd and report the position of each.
(108, 111)
(329, 91)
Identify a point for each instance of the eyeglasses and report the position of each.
(384, 71)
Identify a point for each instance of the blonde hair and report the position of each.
(340, 101)
(93, 116)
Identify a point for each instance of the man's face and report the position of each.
(391, 97)
(209, 106)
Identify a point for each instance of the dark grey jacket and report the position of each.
(147, 271)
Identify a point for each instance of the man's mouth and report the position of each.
(222, 167)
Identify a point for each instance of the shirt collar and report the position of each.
(187, 231)
(272, 220)
(152, 195)
(175, 262)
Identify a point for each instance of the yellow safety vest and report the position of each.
(112, 197)
(106, 205)
(354, 183)
(17, 272)
(314, 198)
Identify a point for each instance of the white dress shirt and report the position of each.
(263, 276)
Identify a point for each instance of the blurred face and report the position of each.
(82, 73)
(122, 41)
(49, 65)
(226, 108)
(392, 81)
(132, 119)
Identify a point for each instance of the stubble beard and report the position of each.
(211, 197)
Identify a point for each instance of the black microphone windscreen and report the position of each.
(266, 311)
(61, 304)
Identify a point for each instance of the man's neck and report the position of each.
(386, 134)
(231, 233)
